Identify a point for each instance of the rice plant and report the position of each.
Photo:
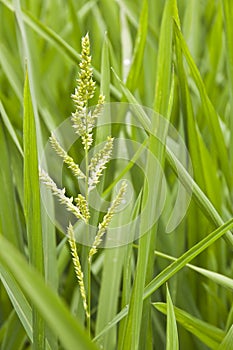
(83, 121)
(160, 290)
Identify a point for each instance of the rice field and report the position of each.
(116, 177)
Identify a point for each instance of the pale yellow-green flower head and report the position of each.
(103, 226)
(83, 119)
(77, 267)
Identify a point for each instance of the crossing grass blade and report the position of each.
(173, 268)
(222, 280)
(227, 341)
(186, 258)
(208, 334)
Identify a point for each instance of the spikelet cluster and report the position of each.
(77, 266)
(83, 205)
(103, 226)
(98, 163)
(60, 194)
(66, 158)
(82, 119)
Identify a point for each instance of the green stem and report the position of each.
(89, 297)
(88, 316)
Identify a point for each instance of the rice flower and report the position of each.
(65, 157)
(98, 162)
(60, 194)
(82, 119)
(83, 206)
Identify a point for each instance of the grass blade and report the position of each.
(228, 15)
(208, 334)
(32, 205)
(19, 302)
(200, 198)
(186, 258)
(10, 128)
(14, 336)
(172, 335)
(227, 342)
(212, 116)
(222, 280)
(8, 200)
(140, 42)
(172, 269)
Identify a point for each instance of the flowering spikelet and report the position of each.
(98, 162)
(60, 194)
(77, 266)
(86, 85)
(83, 206)
(103, 226)
(66, 158)
(99, 107)
(84, 121)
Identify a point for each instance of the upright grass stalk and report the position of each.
(83, 122)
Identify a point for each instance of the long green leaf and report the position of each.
(32, 204)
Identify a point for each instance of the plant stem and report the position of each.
(89, 297)
(88, 316)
